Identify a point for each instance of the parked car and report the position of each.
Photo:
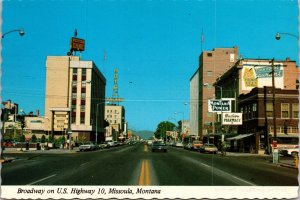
(178, 144)
(290, 152)
(111, 143)
(196, 144)
(208, 148)
(103, 145)
(158, 146)
(88, 146)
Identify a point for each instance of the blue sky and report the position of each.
(154, 44)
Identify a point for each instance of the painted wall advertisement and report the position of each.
(260, 74)
(232, 118)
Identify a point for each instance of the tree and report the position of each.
(33, 138)
(43, 139)
(162, 128)
(22, 138)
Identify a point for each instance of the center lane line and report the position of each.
(144, 178)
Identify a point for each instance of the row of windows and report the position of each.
(82, 95)
(111, 111)
(250, 111)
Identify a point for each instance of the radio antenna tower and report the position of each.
(114, 100)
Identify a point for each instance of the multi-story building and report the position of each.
(258, 123)
(212, 64)
(115, 116)
(248, 75)
(73, 90)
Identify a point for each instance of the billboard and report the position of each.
(218, 105)
(232, 118)
(259, 74)
(77, 44)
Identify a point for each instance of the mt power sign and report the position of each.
(232, 119)
(219, 105)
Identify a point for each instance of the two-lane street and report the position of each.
(138, 165)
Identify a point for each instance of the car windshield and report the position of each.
(158, 143)
(210, 145)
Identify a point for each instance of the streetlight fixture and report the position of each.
(21, 32)
(278, 35)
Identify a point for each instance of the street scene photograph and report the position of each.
(149, 99)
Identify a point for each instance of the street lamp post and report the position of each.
(21, 32)
(278, 35)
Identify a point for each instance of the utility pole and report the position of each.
(273, 100)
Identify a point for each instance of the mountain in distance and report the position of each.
(144, 134)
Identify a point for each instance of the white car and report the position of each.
(111, 143)
(87, 146)
(178, 144)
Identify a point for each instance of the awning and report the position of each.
(287, 136)
(238, 137)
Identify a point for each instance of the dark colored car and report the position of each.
(158, 146)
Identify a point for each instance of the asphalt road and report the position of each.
(137, 165)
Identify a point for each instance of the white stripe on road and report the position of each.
(84, 164)
(42, 179)
(222, 173)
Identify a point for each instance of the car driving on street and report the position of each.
(158, 146)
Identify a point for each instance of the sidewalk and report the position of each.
(7, 159)
(283, 161)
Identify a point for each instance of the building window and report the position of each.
(74, 71)
(83, 71)
(285, 110)
(82, 117)
(209, 55)
(295, 110)
(74, 95)
(254, 110)
(242, 111)
(74, 101)
(82, 108)
(209, 73)
(269, 108)
(74, 89)
(249, 112)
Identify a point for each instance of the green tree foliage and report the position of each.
(22, 138)
(162, 127)
(33, 138)
(43, 139)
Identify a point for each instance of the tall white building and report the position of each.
(74, 86)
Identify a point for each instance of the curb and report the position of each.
(288, 166)
(6, 160)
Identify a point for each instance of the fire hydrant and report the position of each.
(296, 159)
